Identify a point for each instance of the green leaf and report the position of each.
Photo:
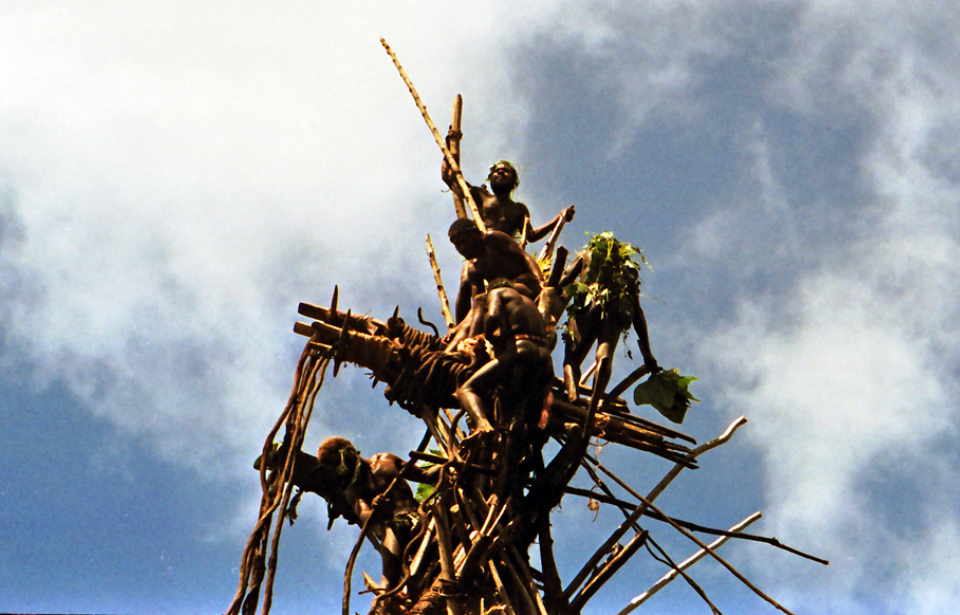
(424, 491)
(667, 392)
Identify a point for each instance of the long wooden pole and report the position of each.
(451, 161)
(453, 138)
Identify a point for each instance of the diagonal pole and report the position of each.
(690, 561)
(451, 161)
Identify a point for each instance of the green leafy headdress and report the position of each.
(611, 280)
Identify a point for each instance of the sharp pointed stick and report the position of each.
(690, 561)
(451, 161)
(444, 301)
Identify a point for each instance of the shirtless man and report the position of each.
(513, 325)
(498, 210)
(491, 255)
(357, 488)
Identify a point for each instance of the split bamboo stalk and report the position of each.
(501, 589)
(422, 550)
(451, 161)
(608, 570)
(460, 526)
(526, 586)
(687, 563)
(444, 301)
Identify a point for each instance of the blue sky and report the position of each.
(174, 181)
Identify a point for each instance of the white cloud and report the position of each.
(182, 177)
(855, 365)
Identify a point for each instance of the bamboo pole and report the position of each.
(441, 291)
(451, 161)
(687, 563)
(547, 249)
(453, 138)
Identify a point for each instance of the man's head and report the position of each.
(338, 457)
(503, 178)
(466, 237)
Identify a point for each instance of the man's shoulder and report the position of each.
(495, 236)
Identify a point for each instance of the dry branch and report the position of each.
(642, 508)
(690, 561)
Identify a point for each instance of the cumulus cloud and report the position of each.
(176, 180)
(173, 181)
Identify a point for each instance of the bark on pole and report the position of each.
(444, 301)
(451, 161)
(453, 138)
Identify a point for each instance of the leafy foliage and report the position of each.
(667, 391)
(611, 280)
(425, 490)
